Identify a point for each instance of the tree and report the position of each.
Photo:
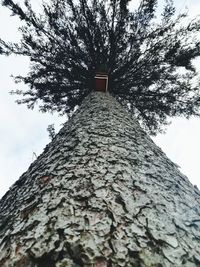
(101, 194)
(149, 61)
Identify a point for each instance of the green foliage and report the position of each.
(149, 63)
(51, 131)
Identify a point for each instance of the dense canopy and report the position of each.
(148, 59)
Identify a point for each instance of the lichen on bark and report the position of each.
(101, 194)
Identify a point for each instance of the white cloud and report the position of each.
(181, 143)
(23, 132)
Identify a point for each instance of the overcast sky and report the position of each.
(23, 133)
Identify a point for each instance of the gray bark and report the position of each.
(101, 194)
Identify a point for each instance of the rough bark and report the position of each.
(101, 194)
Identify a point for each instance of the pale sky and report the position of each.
(23, 133)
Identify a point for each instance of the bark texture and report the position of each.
(101, 194)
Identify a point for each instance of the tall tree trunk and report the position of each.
(101, 194)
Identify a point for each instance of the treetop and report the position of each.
(149, 61)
